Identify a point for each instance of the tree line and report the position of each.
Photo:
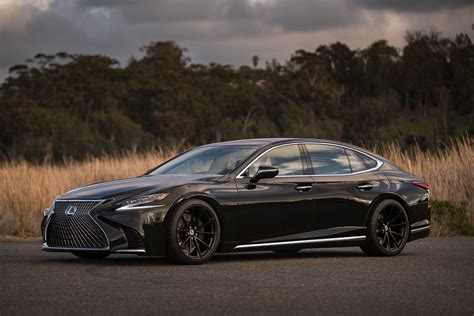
(73, 106)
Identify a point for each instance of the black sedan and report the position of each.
(246, 195)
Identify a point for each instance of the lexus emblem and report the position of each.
(70, 210)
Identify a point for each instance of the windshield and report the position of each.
(207, 160)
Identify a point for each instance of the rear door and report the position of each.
(344, 188)
(279, 207)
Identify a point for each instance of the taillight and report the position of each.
(423, 185)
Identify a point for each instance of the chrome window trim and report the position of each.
(298, 242)
(379, 162)
(45, 245)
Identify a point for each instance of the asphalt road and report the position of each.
(434, 275)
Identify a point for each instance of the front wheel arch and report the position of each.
(203, 197)
(198, 196)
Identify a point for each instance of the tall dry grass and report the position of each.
(450, 172)
(26, 189)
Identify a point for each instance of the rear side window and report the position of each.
(369, 162)
(357, 164)
(328, 159)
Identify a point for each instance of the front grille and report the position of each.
(78, 230)
(134, 239)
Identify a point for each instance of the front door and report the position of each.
(277, 208)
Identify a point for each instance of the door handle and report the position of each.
(365, 186)
(303, 188)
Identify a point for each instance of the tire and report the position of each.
(193, 232)
(387, 229)
(91, 254)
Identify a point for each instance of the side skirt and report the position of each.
(308, 243)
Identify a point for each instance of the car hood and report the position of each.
(123, 188)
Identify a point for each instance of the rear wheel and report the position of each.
(193, 233)
(387, 229)
(91, 254)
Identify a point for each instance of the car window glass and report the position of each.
(286, 158)
(356, 162)
(207, 160)
(369, 162)
(328, 159)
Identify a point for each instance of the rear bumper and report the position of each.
(420, 215)
(419, 231)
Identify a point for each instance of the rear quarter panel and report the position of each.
(415, 199)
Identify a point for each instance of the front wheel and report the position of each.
(193, 232)
(387, 229)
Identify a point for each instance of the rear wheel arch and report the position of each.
(385, 196)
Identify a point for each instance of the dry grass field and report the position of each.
(450, 174)
(26, 189)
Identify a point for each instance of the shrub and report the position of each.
(450, 219)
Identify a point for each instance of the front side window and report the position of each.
(286, 158)
(328, 159)
(207, 160)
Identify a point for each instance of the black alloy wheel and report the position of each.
(388, 229)
(193, 233)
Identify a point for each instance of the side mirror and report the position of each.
(264, 172)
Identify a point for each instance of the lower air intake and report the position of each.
(133, 239)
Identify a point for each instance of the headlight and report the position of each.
(142, 202)
(49, 210)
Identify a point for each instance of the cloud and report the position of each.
(309, 15)
(38, 31)
(14, 14)
(420, 6)
(225, 31)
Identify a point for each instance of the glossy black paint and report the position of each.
(276, 211)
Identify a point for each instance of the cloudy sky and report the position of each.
(224, 31)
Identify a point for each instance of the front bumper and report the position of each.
(45, 247)
(130, 231)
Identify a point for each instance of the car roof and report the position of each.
(263, 142)
(253, 141)
(275, 141)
